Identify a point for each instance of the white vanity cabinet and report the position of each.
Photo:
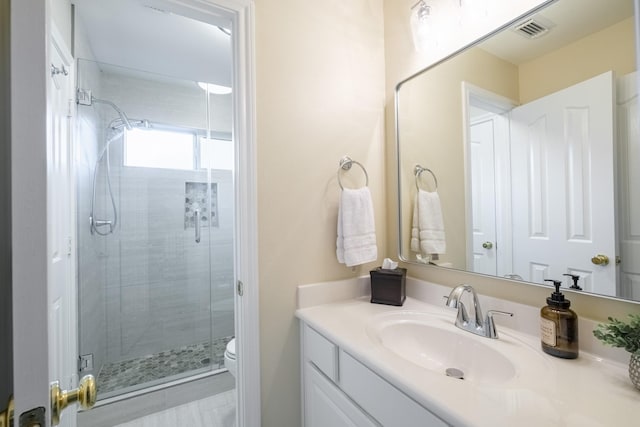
(324, 404)
(340, 391)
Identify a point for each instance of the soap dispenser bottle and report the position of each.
(559, 326)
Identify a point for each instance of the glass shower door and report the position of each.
(155, 234)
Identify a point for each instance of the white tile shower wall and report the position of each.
(168, 101)
(166, 292)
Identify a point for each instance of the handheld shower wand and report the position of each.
(84, 97)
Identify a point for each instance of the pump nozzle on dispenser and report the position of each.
(557, 298)
(575, 279)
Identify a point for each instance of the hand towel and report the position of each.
(427, 230)
(356, 242)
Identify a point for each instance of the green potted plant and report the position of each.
(626, 335)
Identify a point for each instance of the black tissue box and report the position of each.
(388, 286)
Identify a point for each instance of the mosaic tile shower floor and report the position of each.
(129, 373)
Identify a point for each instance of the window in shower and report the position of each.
(158, 149)
(216, 153)
(176, 149)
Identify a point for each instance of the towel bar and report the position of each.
(417, 171)
(345, 164)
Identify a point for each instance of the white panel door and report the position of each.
(563, 185)
(60, 219)
(483, 197)
(629, 182)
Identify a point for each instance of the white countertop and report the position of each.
(584, 392)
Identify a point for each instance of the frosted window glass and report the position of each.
(216, 154)
(159, 149)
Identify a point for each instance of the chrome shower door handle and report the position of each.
(196, 220)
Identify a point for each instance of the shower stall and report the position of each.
(155, 200)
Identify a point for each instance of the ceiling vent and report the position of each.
(533, 28)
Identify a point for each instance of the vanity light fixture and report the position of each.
(214, 89)
(420, 17)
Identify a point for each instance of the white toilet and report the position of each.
(230, 357)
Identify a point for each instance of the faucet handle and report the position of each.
(490, 325)
(462, 317)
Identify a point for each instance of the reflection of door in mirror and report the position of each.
(563, 193)
(488, 183)
(628, 166)
(483, 197)
(557, 155)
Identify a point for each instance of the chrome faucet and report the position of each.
(485, 327)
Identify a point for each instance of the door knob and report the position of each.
(85, 394)
(6, 416)
(487, 245)
(600, 260)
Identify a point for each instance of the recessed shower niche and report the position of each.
(200, 204)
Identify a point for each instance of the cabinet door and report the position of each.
(326, 406)
(387, 404)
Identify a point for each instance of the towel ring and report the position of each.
(417, 171)
(345, 163)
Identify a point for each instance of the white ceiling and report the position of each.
(573, 19)
(143, 35)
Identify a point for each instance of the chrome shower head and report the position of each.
(118, 123)
(123, 116)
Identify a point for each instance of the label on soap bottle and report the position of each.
(548, 332)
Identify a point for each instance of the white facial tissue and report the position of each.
(388, 264)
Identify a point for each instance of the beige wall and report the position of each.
(320, 96)
(609, 49)
(325, 78)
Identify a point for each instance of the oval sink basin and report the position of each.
(435, 344)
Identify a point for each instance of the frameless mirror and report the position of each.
(519, 156)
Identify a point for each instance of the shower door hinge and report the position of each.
(85, 362)
(240, 288)
(83, 96)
